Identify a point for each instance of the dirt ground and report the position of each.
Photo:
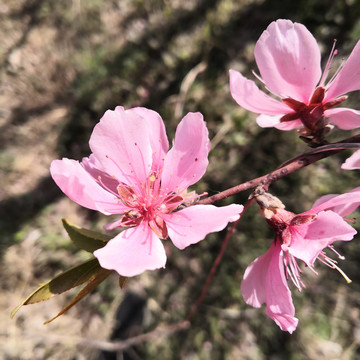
(62, 64)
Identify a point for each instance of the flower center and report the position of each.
(311, 114)
(148, 203)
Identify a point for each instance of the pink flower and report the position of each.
(303, 237)
(288, 59)
(353, 162)
(130, 172)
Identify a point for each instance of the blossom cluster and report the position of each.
(131, 173)
(289, 63)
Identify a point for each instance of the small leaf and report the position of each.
(90, 286)
(65, 281)
(85, 239)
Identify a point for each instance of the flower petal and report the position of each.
(186, 162)
(288, 59)
(253, 285)
(348, 79)
(121, 143)
(249, 96)
(264, 282)
(343, 204)
(132, 252)
(81, 187)
(94, 168)
(157, 134)
(279, 305)
(285, 321)
(192, 224)
(344, 118)
(353, 162)
(274, 121)
(314, 237)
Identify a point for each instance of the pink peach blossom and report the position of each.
(353, 162)
(298, 237)
(288, 58)
(131, 173)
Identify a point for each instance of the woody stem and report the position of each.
(288, 167)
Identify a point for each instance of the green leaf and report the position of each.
(90, 286)
(89, 271)
(65, 281)
(85, 239)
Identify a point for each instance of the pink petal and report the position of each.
(323, 199)
(157, 133)
(279, 305)
(288, 58)
(249, 96)
(343, 118)
(186, 162)
(121, 143)
(289, 125)
(285, 321)
(81, 187)
(192, 224)
(274, 121)
(264, 282)
(348, 79)
(253, 285)
(353, 162)
(317, 235)
(95, 169)
(132, 252)
(343, 204)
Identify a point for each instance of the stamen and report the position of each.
(258, 77)
(341, 257)
(154, 184)
(142, 160)
(263, 82)
(158, 159)
(325, 74)
(129, 179)
(332, 264)
(351, 220)
(348, 280)
(336, 74)
(293, 270)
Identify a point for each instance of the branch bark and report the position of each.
(290, 166)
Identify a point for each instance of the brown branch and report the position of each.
(163, 332)
(288, 167)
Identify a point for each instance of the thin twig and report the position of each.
(158, 332)
(163, 332)
(287, 168)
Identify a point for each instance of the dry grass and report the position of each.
(62, 64)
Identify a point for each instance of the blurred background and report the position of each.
(62, 65)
